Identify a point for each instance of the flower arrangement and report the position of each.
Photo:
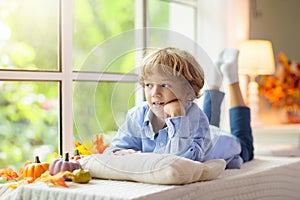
(283, 88)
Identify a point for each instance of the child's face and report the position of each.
(160, 90)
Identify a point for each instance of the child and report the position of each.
(170, 122)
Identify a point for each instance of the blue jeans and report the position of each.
(239, 121)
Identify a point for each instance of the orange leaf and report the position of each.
(99, 144)
(57, 179)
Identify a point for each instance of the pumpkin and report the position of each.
(63, 164)
(76, 155)
(36, 169)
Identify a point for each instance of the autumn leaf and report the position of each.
(99, 144)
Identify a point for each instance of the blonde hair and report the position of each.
(174, 62)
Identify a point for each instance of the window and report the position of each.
(29, 35)
(29, 80)
(29, 115)
(176, 16)
(68, 69)
(101, 50)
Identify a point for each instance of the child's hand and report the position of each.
(125, 152)
(174, 108)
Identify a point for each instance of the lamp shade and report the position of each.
(256, 57)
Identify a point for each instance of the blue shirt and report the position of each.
(189, 136)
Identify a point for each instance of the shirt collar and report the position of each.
(148, 117)
(147, 124)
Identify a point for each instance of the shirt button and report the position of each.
(161, 144)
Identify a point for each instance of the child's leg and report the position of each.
(212, 106)
(239, 113)
(240, 121)
(213, 97)
(240, 127)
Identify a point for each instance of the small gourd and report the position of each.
(63, 164)
(81, 176)
(36, 169)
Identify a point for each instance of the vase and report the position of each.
(293, 116)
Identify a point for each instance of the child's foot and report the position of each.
(229, 67)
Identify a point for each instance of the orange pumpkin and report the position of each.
(36, 169)
(76, 155)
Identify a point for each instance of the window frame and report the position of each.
(65, 75)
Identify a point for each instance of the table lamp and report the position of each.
(256, 58)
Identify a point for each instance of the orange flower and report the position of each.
(283, 88)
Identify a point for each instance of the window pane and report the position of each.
(101, 24)
(100, 107)
(29, 116)
(29, 34)
(123, 62)
(175, 19)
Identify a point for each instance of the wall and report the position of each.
(222, 24)
(278, 21)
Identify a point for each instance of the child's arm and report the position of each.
(188, 136)
(125, 152)
(123, 143)
(128, 138)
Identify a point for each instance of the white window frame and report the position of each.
(65, 75)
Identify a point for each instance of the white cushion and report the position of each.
(151, 168)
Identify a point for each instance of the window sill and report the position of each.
(277, 140)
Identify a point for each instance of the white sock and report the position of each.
(229, 68)
(217, 74)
